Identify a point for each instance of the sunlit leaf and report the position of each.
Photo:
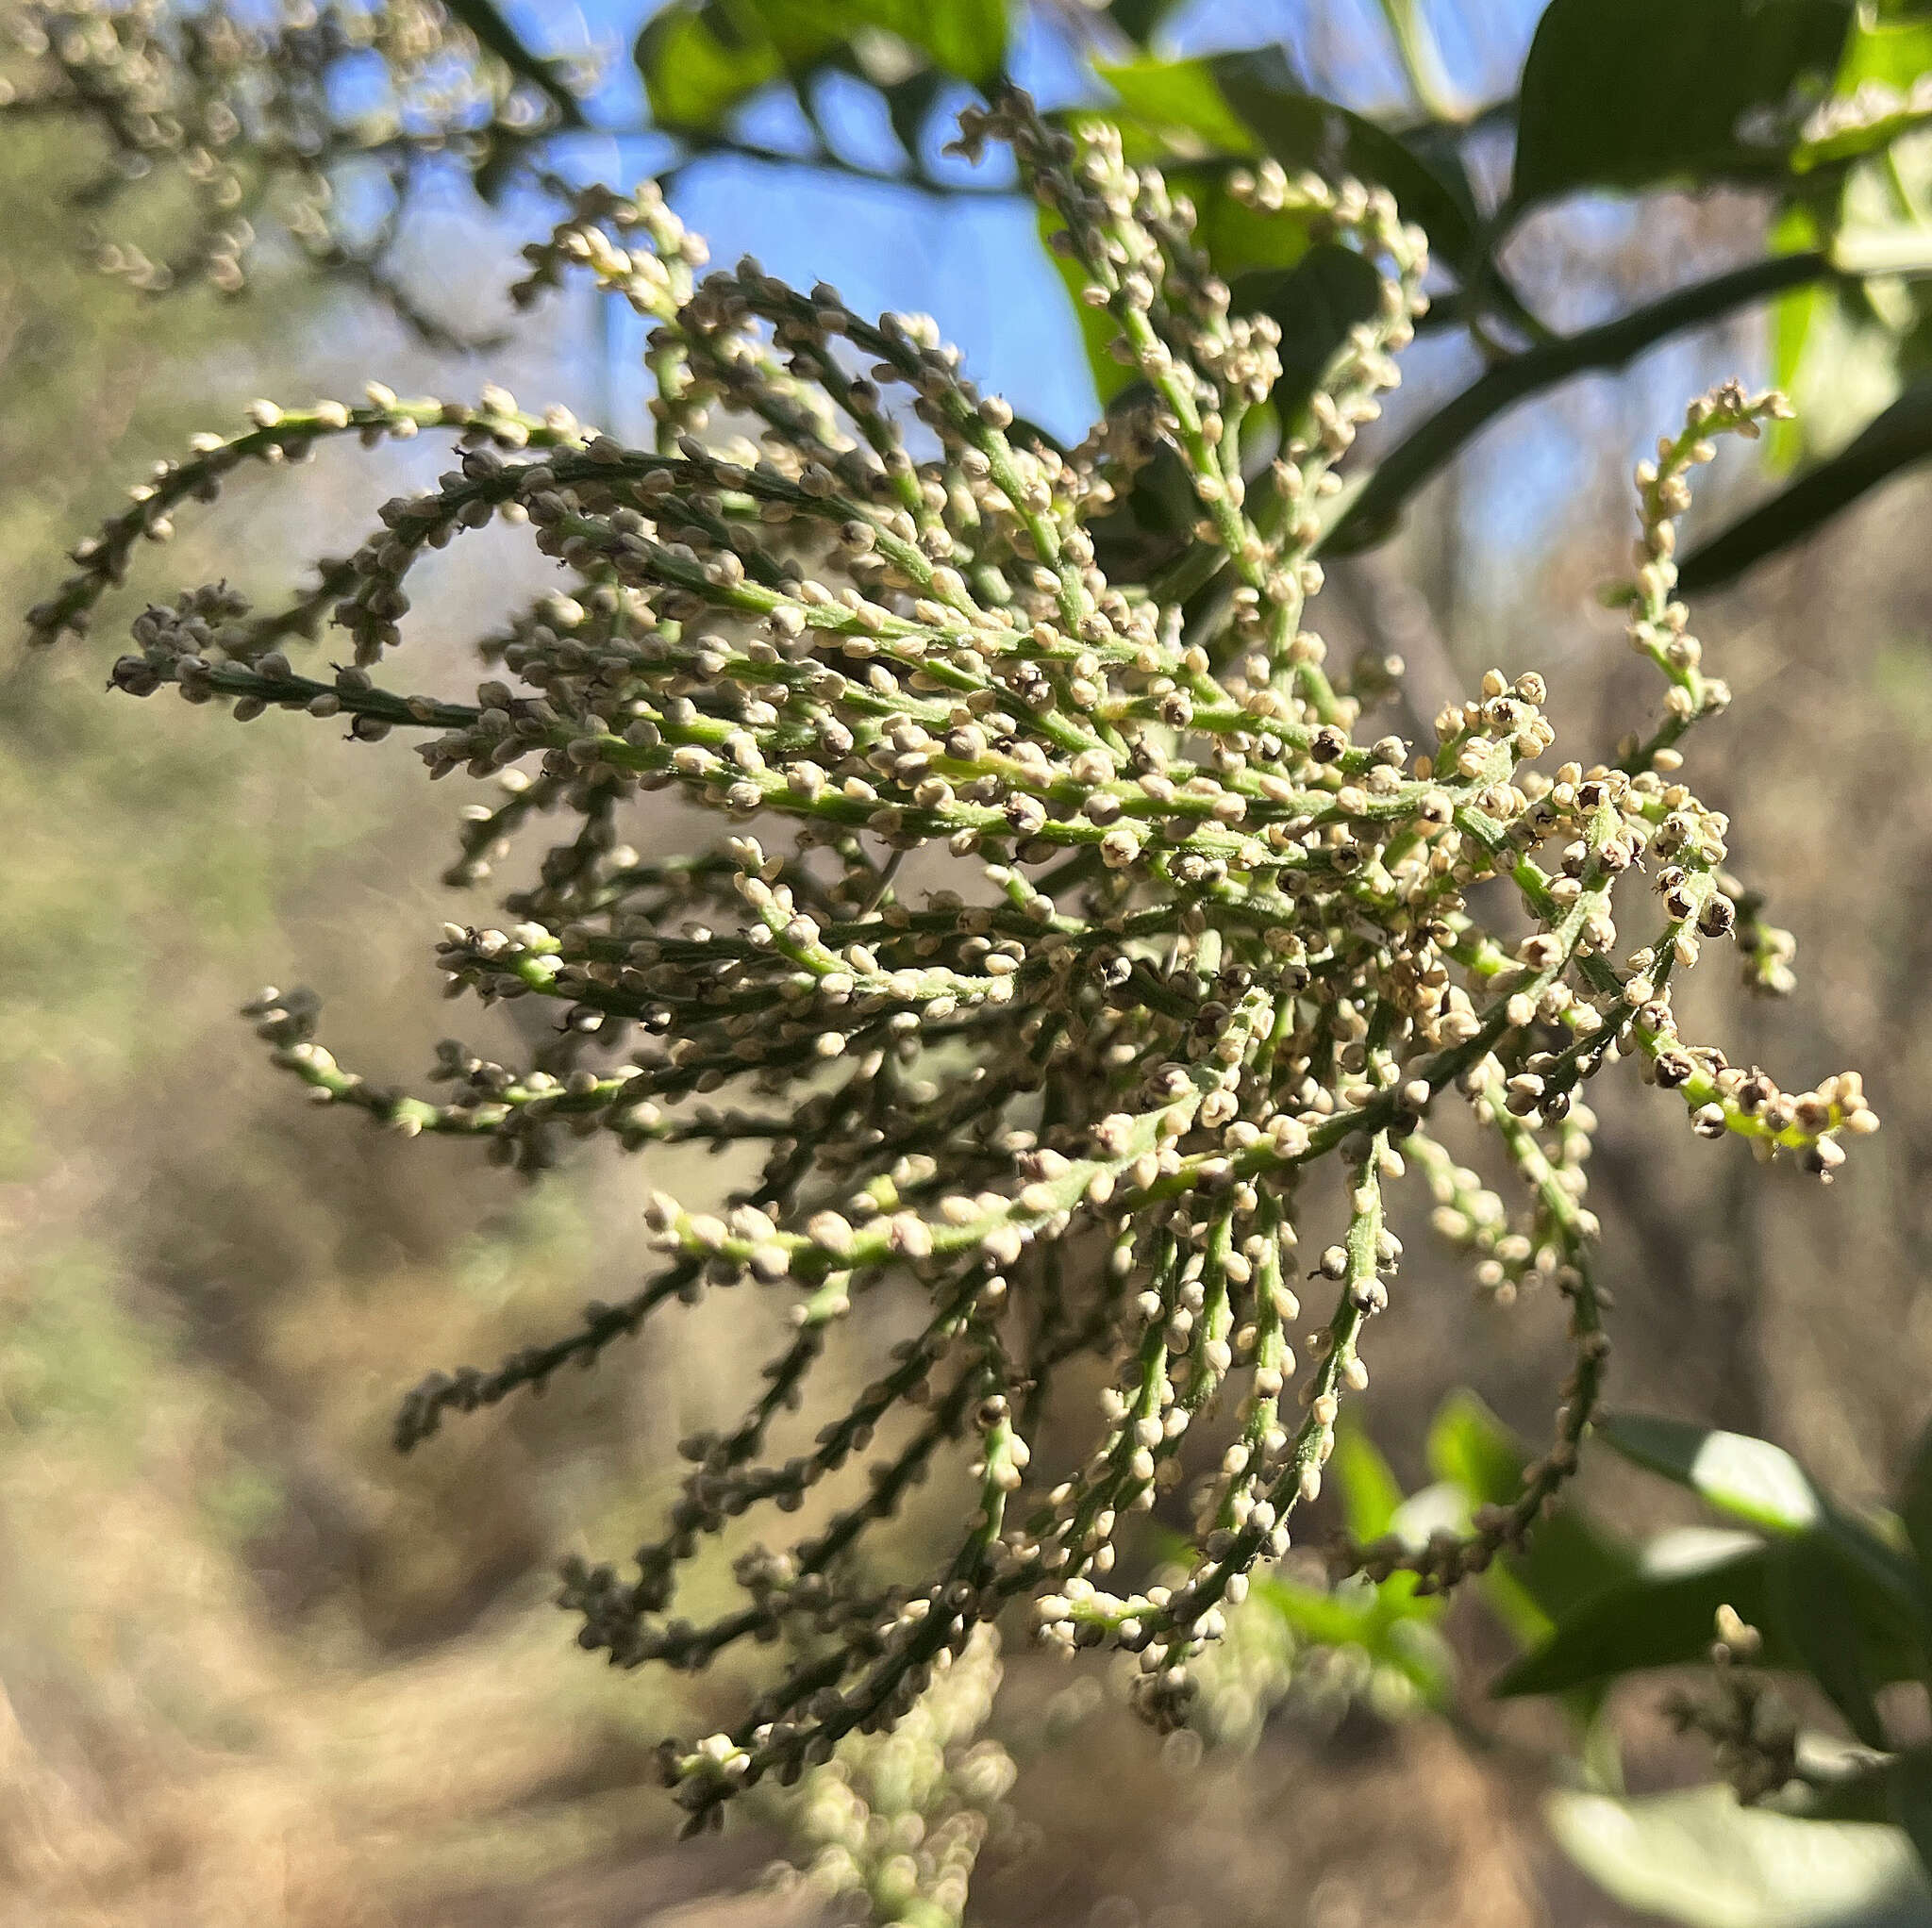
(1890, 55)
(1371, 1494)
(1749, 1479)
(1182, 96)
(1700, 1858)
(701, 58)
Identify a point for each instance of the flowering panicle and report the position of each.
(897, 1822)
(244, 112)
(1062, 925)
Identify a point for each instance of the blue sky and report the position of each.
(977, 265)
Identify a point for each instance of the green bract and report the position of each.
(1063, 924)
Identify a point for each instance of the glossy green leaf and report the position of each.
(1915, 1507)
(701, 58)
(1898, 439)
(1239, 238)
(1630, 94)
(966, 39)
(1890, 55)
(700, 61)
(1242, 104)
(910, 104)
(1908, 1790)
(1181, 97)
(1749, 1479)
(1893, 53)
(1699, 1858)
(1301, 131)
(1816, 1601)
(1649, 1620)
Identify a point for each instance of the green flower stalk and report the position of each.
(1060, 928)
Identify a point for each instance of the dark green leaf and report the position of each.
(1650, 1619)
(1901, 436)
(1315, 304)
(1240, 239)
(1636, 93)
(1139, 19)
(1847, 1606)
(1909, 1784)
(966, 39)
(495, 35)
(1303, 131)
(1569, 1560)
(1242, 104)
(1915, 1507)
(1814, 1601)
(699, 62)
(1750, 1479)
(908, 106)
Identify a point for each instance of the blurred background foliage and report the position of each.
(253, 1666)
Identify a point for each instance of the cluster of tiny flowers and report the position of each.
(896, 1821)
(1063, 928)
(240, 110)
(1752, 1731)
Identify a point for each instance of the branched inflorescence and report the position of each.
(257, 118)
(1061, 933)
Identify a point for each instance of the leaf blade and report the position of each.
(1598, 108)
(1648, 1620)
(1746, 1478)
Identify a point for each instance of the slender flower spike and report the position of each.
(1057, 925)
